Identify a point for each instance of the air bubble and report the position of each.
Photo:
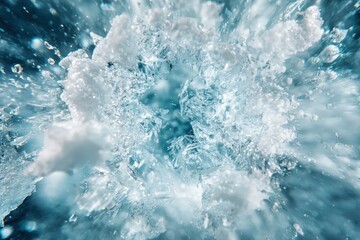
(49, 46)
(36, 43)
(30, 226)
(17, 68)
(51, 61)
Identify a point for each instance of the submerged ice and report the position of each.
(188, 119)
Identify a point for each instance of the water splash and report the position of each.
(192, 120)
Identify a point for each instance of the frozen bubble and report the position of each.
(36, 43)
(338, 35)
(329, 54)
(49, 46)
(17, 68)
(51, 61)
(6, 232)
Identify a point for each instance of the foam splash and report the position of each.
(181, 125)
(211, 107)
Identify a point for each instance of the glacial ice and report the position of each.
(181, 125)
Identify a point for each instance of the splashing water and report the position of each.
(185, 120)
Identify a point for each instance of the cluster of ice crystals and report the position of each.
(179, 121)
(219, 94)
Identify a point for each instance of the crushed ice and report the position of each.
(178, 119)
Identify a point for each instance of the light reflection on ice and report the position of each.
(181, 124)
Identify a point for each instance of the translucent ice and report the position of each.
(193, 119)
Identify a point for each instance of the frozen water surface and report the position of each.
(158, 119)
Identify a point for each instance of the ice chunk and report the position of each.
(329, 54)
(337, 35)
(84, 91)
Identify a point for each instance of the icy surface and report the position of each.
(189, 120)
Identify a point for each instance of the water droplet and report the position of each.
(17, 68)
(51, 61)
(49, 46)
(53, 11)
(30, 226)
(6, 232)
(36, 43)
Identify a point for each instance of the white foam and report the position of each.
(84, 90)
(291, 37)
(244, 192)
(69, 145)
(120, 45)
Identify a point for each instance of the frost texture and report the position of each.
(181, 125)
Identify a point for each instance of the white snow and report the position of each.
(69, 145)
